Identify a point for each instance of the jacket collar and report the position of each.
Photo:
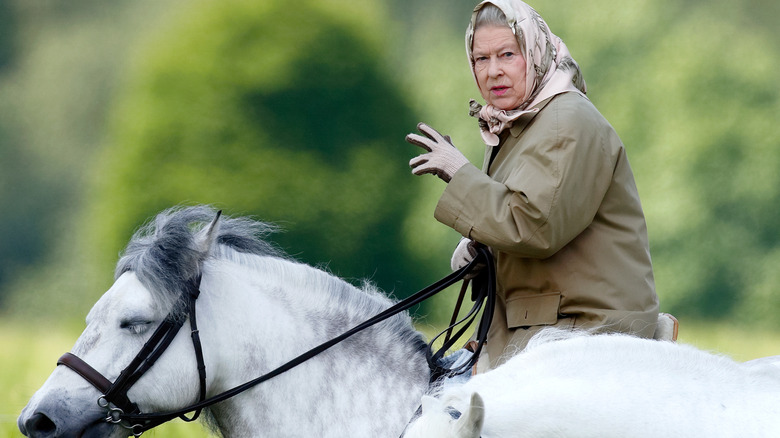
(522, 122)
(515, 130)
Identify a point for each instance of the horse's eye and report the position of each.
(135, 326)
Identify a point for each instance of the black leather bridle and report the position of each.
(122, 411)
(116, 393)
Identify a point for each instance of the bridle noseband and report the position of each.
(120, 410)
(114, 397)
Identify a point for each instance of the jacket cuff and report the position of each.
(451, 209)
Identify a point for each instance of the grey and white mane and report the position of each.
(167, 252)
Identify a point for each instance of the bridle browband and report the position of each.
(120, 410)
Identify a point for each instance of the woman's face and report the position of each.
(499, 67)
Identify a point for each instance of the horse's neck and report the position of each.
(367, 386)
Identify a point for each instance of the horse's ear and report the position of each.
(469, 425)
(208, 237)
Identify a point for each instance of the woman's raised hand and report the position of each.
(443, 158)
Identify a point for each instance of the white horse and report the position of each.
(606, 386)
(256, 310)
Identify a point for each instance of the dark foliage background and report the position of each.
(295, 112)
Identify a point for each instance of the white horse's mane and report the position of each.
(166, 253)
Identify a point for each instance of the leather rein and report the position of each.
(122, 411)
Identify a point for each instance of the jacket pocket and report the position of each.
(530, 310)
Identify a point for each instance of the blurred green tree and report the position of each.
(59, 63)
(225, 106)
(691, 91)
(22, 235)
(284, 113)
(7, 34)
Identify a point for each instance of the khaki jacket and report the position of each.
(560, 210)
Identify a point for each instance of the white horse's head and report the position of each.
(117, 327)
(256, 309)
(440, 420)
(150, 280)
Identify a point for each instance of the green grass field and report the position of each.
(29, 355)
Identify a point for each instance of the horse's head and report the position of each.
(250, 293)
(150, 282)
(117, 327)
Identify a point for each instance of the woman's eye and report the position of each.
(508, 55)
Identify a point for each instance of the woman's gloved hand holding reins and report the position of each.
(463, 255)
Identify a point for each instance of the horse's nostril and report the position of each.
(39, 425)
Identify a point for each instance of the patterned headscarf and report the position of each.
(551, 69)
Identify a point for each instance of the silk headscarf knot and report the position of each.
(550, 68)
(493, 121)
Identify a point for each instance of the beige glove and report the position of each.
(463, 255)
(443, 158)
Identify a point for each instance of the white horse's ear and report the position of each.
(469, 425)
(208, 237)
(429, 403)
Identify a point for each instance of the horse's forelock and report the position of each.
(165, 254)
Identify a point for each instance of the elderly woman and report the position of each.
(555, 201)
